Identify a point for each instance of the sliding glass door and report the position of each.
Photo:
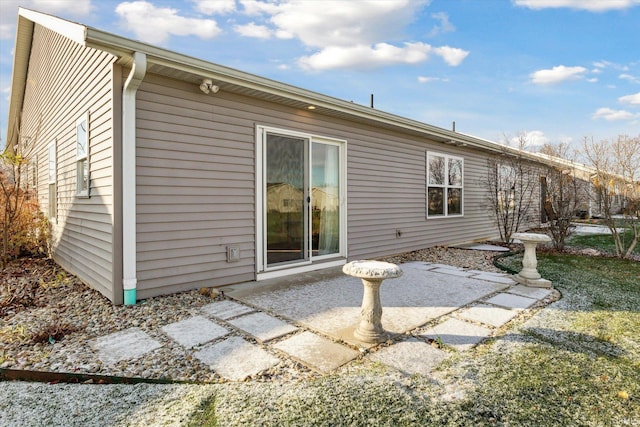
(302, 189)
(286, 197)
(325, 199)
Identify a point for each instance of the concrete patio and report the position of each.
(310, 318)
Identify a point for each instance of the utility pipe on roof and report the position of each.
(129, 251)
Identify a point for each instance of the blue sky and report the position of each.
(551, 70)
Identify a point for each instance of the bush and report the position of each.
(25, 230)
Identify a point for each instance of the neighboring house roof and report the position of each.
(175, 65)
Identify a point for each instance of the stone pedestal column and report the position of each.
(372, 273)
(529, 275)
(370, 327)
(529, 261)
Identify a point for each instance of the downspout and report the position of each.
(129, 250)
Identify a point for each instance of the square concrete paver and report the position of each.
(236, 359)
(527, 291)
(458, 334)
(489, 315)
(447, 266)
(411, 357)
(317, 352)
(454, 272)
(262, 326)
(511, 301)
(418, 265)
(194, 331)
(128, 344)
(496, 278)
(226, 309)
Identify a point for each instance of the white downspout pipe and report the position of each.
(129, 250)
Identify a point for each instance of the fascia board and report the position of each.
(70, 30)
(21, 53)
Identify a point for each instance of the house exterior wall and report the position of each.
(64, 82)
(195, 188)
(196, 191)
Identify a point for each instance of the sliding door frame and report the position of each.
(264, 271)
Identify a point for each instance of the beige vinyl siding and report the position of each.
(64, 81)
(196, 179)
(195, 189)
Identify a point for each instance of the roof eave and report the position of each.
(124, 49)
(22, 50)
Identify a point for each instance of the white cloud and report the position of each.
(364, 56)
(155, 24)
(629, 77)
(253, 30)
(557, 74)
(213, 7)
(425, 79)
(533, 138)
(6, 91)
(344, 23)
(630, 99)
(342, 34)
(590, 5)
(8, 18)
(444, 27)
(565, 139)
(451, 55)
(257, 7)
(612, 115)
(608, 64)
(593, 80)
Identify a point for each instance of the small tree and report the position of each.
(23, 226)
(511, 185)
(616, 176)
(565, 193)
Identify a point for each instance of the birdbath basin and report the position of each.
(372, 273)
(529, 275)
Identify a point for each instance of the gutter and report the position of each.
(129, 250)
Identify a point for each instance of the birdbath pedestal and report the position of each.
(529, 275)
(372, 273)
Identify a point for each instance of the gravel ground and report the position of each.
(59, 303)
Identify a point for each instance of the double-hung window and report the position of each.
(52, 181)
(444, 185)
(82, 156)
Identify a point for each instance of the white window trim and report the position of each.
(445, 186)
(264, 272)
(85, 157)
(52, 178)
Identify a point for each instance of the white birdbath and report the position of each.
(529, 275)
(372, 274)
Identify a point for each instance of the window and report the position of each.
(444, 185)
(506, 185)
(82, 156)
(52, 181)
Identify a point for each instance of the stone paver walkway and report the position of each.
(313, 323)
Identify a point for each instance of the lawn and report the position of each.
(603, 241)
(576, 362)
